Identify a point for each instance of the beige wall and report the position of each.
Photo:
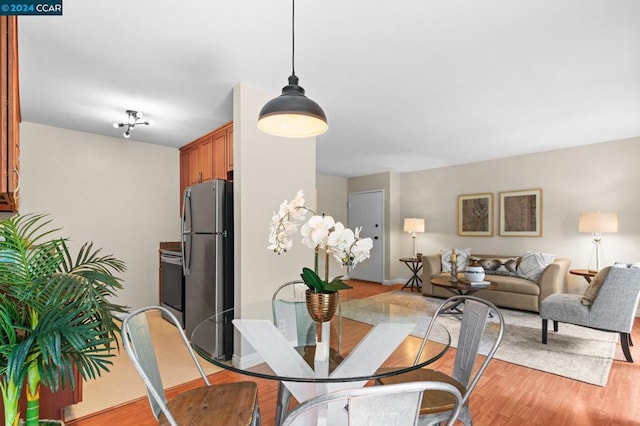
(332, 195)
(332, 200)
(603, 177)
(118, 193)
(267, 170)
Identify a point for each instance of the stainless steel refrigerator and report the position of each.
(207, 252)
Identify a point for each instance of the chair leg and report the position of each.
(624, 341)
(282, 406)
(555, 326)
(257, 420)
(630, 341)
(544, 331)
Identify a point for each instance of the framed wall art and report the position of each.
(475, 215)
(521, 213)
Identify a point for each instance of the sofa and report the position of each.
(512, 291)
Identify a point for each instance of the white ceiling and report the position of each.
(406, 84)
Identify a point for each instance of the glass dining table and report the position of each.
(365, 340)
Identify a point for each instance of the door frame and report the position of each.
(383, 224)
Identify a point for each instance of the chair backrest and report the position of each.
(290, 313)
(137, 341)
(472, 327)
(397, 404)
(614, 308)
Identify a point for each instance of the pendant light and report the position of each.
(292, 114)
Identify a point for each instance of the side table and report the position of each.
(587, 274)
(415, 264)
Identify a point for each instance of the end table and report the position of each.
(587, 274)
(415, 264)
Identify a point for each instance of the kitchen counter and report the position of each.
(169, 245)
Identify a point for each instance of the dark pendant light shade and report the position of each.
(292, 114)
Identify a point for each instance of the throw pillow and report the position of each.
(621, 265)
(532, 264)
(506, 266)
(462, 259)
(593, 288)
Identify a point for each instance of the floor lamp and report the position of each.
(597, 223)
(413, 225)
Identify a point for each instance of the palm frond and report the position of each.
(66, 302)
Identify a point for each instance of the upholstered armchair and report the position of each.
(608, 304)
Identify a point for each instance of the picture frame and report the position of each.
(475, 215)
(521, 213)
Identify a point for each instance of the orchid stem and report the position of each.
(326, 267)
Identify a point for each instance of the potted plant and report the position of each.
(322, 234)
(55, 314)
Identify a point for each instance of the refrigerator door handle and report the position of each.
(186, 263)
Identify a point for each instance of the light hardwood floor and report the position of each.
(508, 394)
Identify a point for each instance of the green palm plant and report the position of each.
(58, 313)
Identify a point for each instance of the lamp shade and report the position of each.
(412, 224)
(292, 114)
(598, 222)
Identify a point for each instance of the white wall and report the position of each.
(603, 177)
(118, 193)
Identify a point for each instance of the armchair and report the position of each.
(613, 309)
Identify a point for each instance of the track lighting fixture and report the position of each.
(134, 118)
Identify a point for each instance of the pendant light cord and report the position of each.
(293, 37)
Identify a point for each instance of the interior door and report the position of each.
(365, 210)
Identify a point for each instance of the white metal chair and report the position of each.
(224, 404)
(435, 406)
(397, 405)
(291, 318)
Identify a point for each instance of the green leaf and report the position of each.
(56, 310)
(312, 280)
(337, 284)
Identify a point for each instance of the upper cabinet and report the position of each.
(10, 120)
(208, 157)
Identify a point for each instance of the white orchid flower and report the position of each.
(319, 232)
(361, 251)
(316, 231)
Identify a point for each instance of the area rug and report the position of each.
(575, 352)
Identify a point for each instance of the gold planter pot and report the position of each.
(321, 306)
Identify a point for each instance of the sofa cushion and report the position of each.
(564, 307)
(497, 265)
(514, 285)
(591, 292)
(533, 264)
(462, 259)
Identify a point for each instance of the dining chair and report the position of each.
(291, 318)
(476, 312)
(397, 404)
(224, 404)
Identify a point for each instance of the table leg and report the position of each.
(415, 282)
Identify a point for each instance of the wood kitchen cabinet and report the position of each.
(10, 115)
(201, 161)
(208, 157)
(230, 152)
